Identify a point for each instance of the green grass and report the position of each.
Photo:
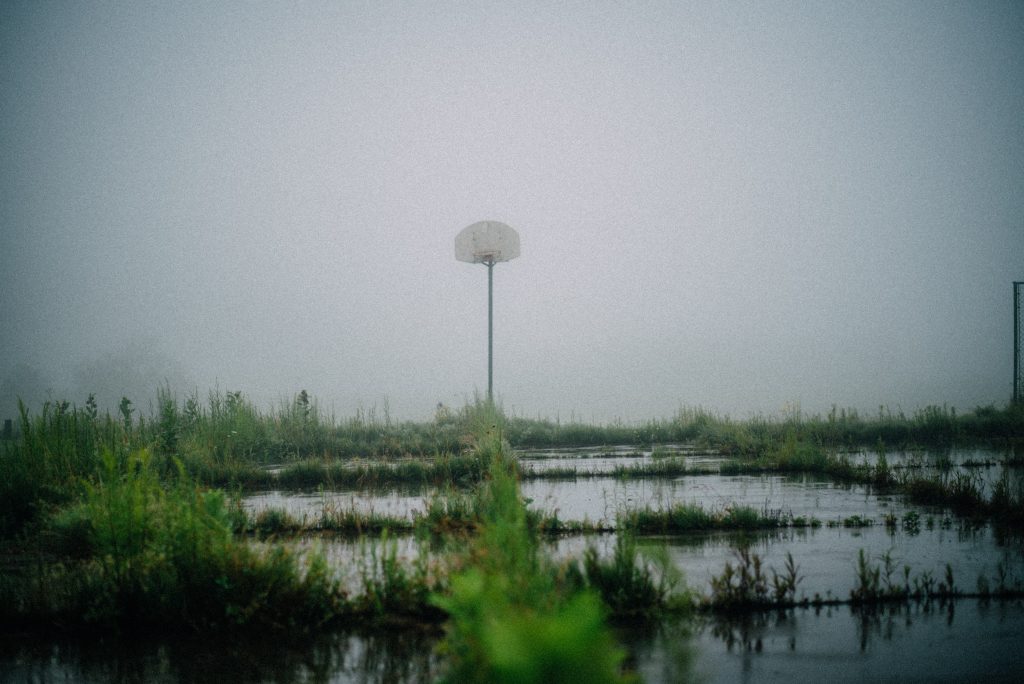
(744, 583)
(511, 619)
(683, 518)
(130, 537)
(153, 556)
(630, 586)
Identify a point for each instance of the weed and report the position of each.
(391, 588)
(629, 585)
(508, 619)
(692, 517)
(742, 585)
(784, 585)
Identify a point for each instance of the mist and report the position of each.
(748, 207)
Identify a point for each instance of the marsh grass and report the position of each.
(963, 493)
(742, 585)
(341, 521)
(630, 585)
(395, 589)
(158, 556)
(692, 517)
(137, 543)
(445, 469)
(663, 468)
(223, 439)
(511, 619)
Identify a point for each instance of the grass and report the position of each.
(140, 547)
(153, 557)
(511, 619)
(746, 583)
(224, 440)
(130, 536)
(662, 468)
(684, 518)
(931, 426)
(962, 492)
(629, 586)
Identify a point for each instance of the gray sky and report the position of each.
(743, 206)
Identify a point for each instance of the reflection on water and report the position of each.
(827, 557)
(404, 656)
(403, 502)
(966, 640)
(600, 499)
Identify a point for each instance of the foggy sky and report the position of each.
(742, 206)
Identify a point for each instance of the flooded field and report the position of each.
(841, 523)
(966, 640)
(906, 542)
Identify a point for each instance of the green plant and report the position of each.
(629, 585)
(493, 638)
(509, 621)
(784, 585)
(392, 587)
(742, 585)
(165, 554)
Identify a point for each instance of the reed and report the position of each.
(683, 518)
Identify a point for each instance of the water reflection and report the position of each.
(965, 640)
(363, 658)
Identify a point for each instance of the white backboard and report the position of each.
(486, 242)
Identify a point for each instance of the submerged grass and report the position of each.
(683, 518)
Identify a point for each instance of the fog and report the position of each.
(748, 207)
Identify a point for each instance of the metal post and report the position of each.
(1016, 342)
(491, 331)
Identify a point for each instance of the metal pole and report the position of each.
(490, 332)
(1016, 342)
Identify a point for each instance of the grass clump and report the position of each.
(510, 619)
(692, 517)
(747, 585)
(167, 557)
(394, 590)
(632, 587)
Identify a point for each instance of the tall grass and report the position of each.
(509, 620)
(839, 428)
(158, 556)
(54, 450)
(682, 518)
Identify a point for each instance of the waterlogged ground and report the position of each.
(965, 640)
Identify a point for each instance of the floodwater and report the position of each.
(599, 499)
(965, 640)
(962, 641)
